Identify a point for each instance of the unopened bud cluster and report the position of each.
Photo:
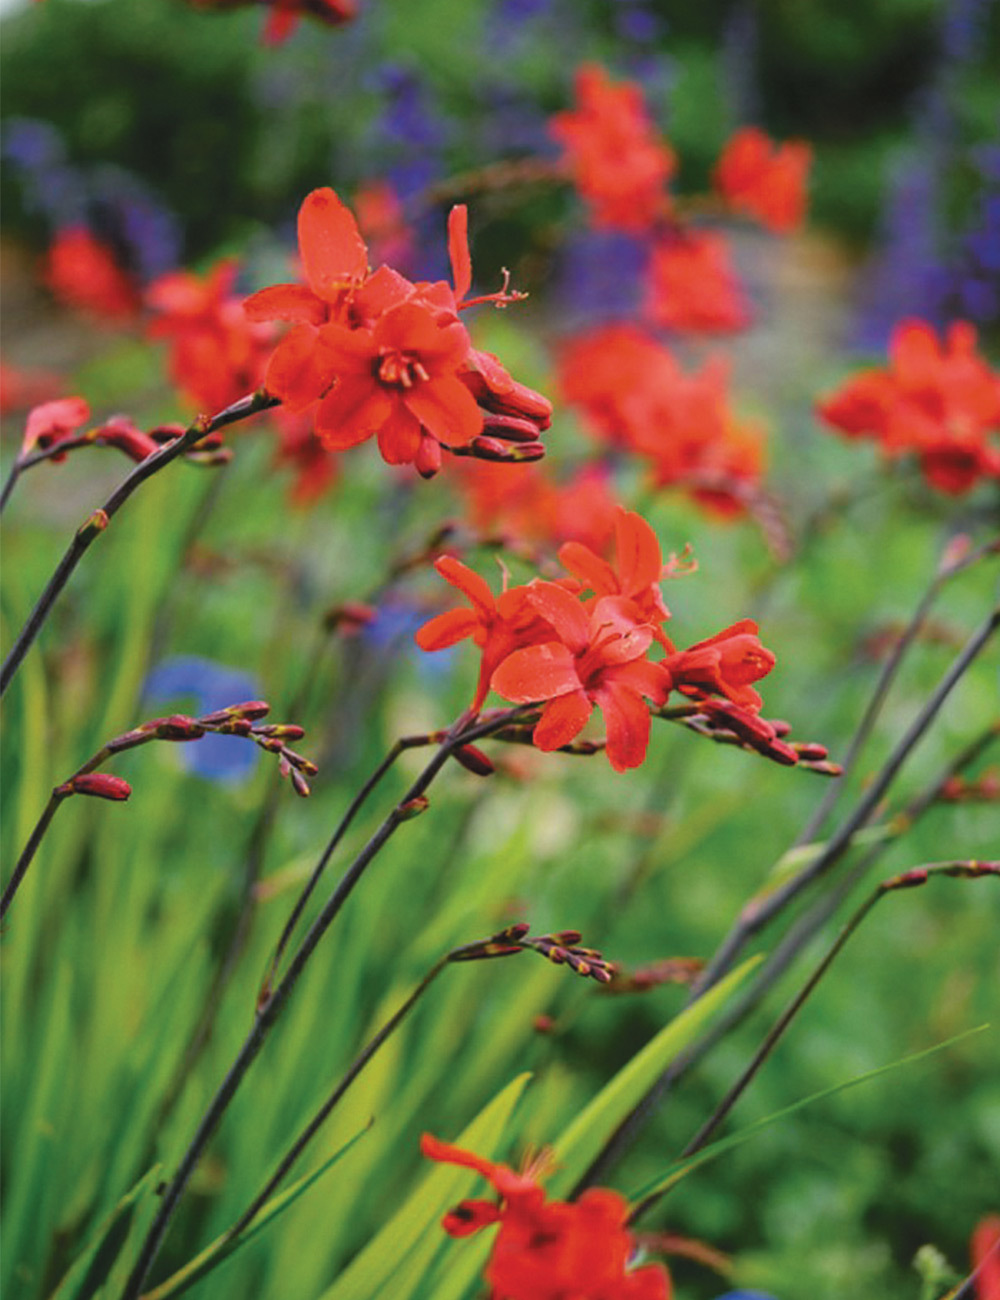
(561, 948)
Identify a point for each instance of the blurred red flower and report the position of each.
(618, 163)
(216, 354)
(938, 399)
(765, 180)
(284, 15)
(83, 273)
(693, 287)
(550, 1250)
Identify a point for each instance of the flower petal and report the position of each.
(468, 582)
(292, 302)
(330, 245)
(446, 629)
(626, 719)
(562, 720)
(640, 560)
(537, 672)
(352, 412)
(399, 435)
(296, 372)
(458, 249)
(447, 409)
(566, 614)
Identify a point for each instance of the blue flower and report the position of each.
(208, 686)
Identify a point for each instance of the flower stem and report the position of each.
(270, 1008)
(99, 520)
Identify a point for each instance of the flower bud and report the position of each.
(474, 760)
(413, 808)
(100, 785)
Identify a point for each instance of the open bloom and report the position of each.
(938, 399)
(595, 658)
(764, 180)
(550, 1250)
(618, 163)
(376, 354)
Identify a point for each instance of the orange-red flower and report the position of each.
(617, 161)
(216, 354)
(83, 272)
(596, 657)
(635, 576)
(693, 287)
(986, 1257)
(526, 505)
(381, 355)
(766, 181)
(550, 1250)
(938, 399)
(497, 626)
(633, 393)
(724, 664)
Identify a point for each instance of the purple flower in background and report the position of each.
(202, 685)
(601, 278)
(746, 1295)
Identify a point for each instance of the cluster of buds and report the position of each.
(728, 724)
(56, 428)
(561, 948)
(236, 720)
(984, 788)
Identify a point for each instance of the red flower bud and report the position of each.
(474, 760)
(100, 785)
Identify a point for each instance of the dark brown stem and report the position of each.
(701, 1139)
(271, 1007)
(946, 571)
(764, 907)
(99, 520)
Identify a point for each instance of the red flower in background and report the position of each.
(939, 400)
(216, 355)
(83, 273)
(633, 393)
(693, 287)
(527, 506)
(765, 180)
(550, 1250)
(315, 468)
(285, 14)
(618, 163)
(21, 388)
(594, 658)
(986, 1257)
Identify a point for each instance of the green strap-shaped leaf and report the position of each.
(681, 1168)
(399, 1251)
(89, 1271)
(223, 1247)
(578, 1144)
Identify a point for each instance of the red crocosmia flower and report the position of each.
(399, 381)
(83, 273)
(632, 393)
(766, 181)
(938, 400)
(693, 287)
(120, 432)
(497, 625)
(53, 422)
(617, 161)
(597, 657)
(382, 221)
(550, 1250)
(635, 576)
(724, 664)
(216, 354)
(986, 1257)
